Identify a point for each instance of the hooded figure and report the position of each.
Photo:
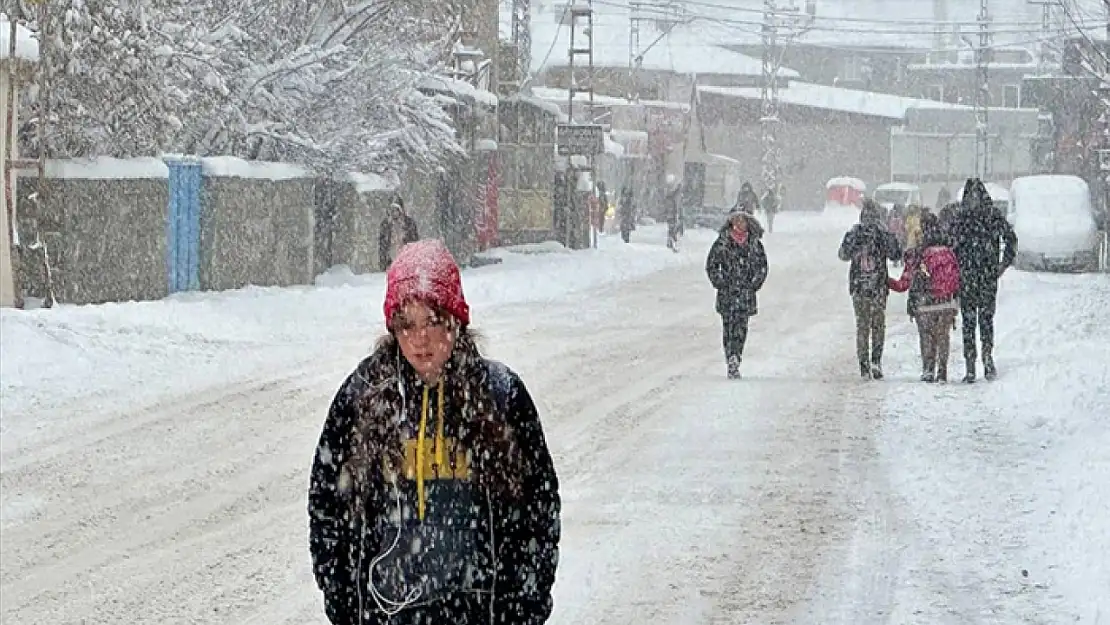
(433, 498)
(394, 232)
(985, 245)
(868, 246)
(737, 268)
(746, 201)
(674, 214)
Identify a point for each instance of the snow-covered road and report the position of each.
(798, 495)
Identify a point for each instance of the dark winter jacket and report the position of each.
(737, 271)
(466, 535)
(869, 238)
(746, 201)
(984, 242)
(385, 236)
(625, 210)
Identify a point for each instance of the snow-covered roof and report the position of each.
(107, 168)
(460, 88)
(562, 96)
(846, 181)
(838, 99)
(369, 183)
(897, 186)
(692, 48)
(26, 45)
(232, 167)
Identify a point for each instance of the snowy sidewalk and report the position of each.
(990, 503)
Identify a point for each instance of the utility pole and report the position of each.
(1045, 49)
(773, 53)
(581, 45)
(768, 96)
(522, 38)
(982, 94)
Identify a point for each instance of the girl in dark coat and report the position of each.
(737, 268)
(433, 498)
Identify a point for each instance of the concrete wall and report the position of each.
(106, 238)
(256, 232)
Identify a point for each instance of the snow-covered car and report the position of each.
(844, 194)
(891, 193)
(1000, 197)
(1055, 223)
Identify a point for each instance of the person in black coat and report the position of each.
(986, 246)
(737, 268)
(868, 246)
(395, 231)
(626, 213)
(433, 497)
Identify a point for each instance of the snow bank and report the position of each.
(1007, 484)
(232, 167)
(107, 168)
(141, 349)
(369, 183)
(485, 145)
(26, 45)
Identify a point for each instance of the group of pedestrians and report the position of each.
(952, 262)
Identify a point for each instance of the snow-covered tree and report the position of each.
(106, 91)
(328, 83)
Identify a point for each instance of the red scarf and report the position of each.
(740, 236)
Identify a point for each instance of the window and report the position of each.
(1011, 96)
(935, 92)
(851, 69)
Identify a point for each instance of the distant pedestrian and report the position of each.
(394, 232)
(737, 268)
(868, 246)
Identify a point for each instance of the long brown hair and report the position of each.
(495, 456)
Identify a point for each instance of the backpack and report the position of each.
(943, 271)
(870, 272)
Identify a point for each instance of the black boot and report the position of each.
(733, 363)
(969, 377)
(989, 371)
(865, 370)
(876, 371)
(942, 373)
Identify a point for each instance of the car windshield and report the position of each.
(891, 196)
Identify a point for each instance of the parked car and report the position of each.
(1054, 219)
(891, 193)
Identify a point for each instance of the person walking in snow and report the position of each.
(737, 268)
(932, 277)
(433, 498)
(626, 213)
(394, 232)
(746, 200)
(770, 204)
(986, 246)
(868, 246)
(673, 206)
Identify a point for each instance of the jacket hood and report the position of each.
(976, 198)
(870, 215)
(755, 229)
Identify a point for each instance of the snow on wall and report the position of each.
(839, 99)
(369, 183)
(107, 168)
(459, 88)
(232, 167)
(688, 49)
(26, 46)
